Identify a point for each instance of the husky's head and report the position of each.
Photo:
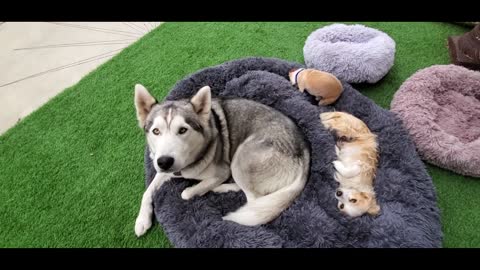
(176, 131)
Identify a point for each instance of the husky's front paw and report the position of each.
(223, 188)
(187, 194)
(142, 224)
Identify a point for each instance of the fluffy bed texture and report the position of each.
(409, 217)
(354, 53)
(440, 106)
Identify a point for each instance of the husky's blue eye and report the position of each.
(182, 130)
(156, 131)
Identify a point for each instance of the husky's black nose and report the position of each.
(165, 162)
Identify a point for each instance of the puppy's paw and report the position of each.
(338, 177)
(338, 165)
(142, 224)
(187, 194)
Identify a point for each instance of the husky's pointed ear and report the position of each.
(202, 101)
(143, 103)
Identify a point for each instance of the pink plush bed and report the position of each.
(440, 106)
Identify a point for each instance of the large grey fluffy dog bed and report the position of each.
(409, 216)
(353, 53)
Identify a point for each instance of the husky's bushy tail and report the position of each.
(269, 207)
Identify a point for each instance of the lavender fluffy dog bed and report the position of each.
(409, 217)
(353, 53)
(440, 106)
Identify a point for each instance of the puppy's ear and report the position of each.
(202, 101)
(374, 208)
(143, 103)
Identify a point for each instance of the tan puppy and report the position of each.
(356, 165)
(324, 86)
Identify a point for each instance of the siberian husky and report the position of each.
(212, 139)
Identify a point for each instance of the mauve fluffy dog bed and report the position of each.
(353, 53)
(440, 106)
(409, 216)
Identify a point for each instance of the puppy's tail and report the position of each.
(265, 209)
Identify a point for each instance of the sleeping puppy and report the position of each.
(356, 165)
(324, 86)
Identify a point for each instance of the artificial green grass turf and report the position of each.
(71, 173)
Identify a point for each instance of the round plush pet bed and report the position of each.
(440, 106)
(409, 216)
(353, 53)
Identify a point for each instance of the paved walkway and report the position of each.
(40, 59)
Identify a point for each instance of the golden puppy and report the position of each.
(323, 85)
(356, 165)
